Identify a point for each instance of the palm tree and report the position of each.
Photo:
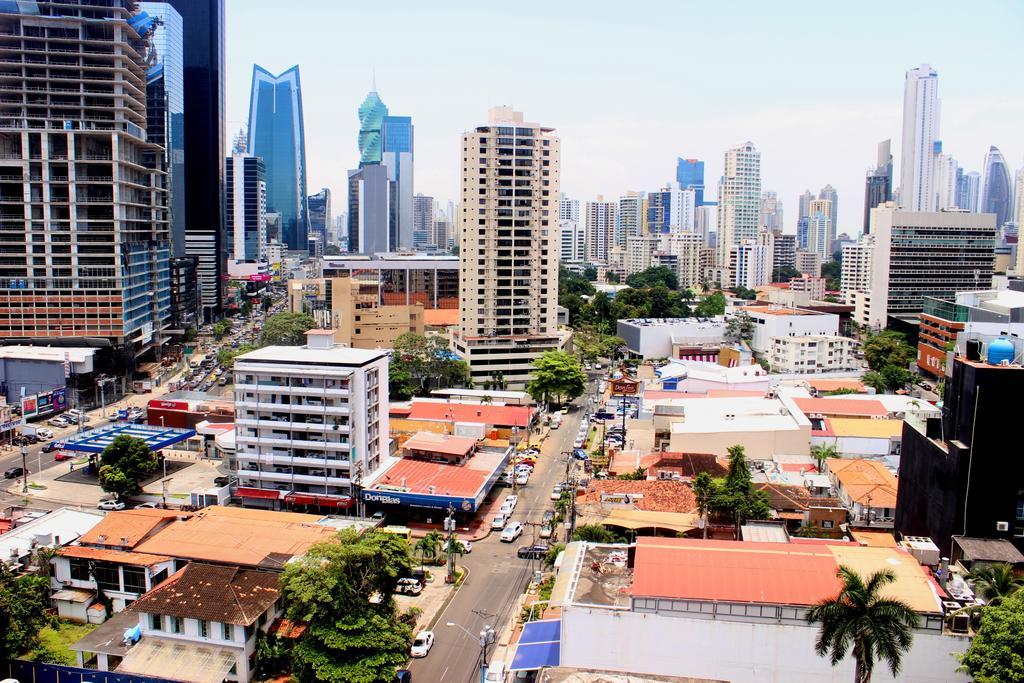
(996, 582)
(858, 617)
(705, 286)
(429, 545)
(703, 489)
(821, 453)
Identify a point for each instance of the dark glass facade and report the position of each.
(877, 190)
(318, 207)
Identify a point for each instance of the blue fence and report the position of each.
(37, 672)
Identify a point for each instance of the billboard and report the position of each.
(29, 407)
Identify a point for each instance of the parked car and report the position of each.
(506, 509)
(467, 546)
(556, 492)
(532, 552)
(565, 409)
(144, 506)
(546, 530)
(549, 515)
(53, 446)
(14, 473)
(111, 505)
(522, 479)
(422, 643)
(578, 443)
(497, 523)
(44, 433)
(61, 456)
(409, 586)
(512, 500)
(512, 532)
(58, 422)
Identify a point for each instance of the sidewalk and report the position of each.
(435, 596)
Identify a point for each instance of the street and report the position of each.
(496, 576)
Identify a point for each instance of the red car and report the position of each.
(60, 456)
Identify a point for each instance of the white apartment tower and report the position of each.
(600, 229)
(820, 229)
(921, 141)
(739, 198)
(750, 264)
(509, 247)
(629, 221)
(311, 421)
(947, 194)
(574, 242)
(771, 212)
(568, 209)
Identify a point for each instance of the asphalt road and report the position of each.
(496, 576)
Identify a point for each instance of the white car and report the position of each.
(499, 521)
(556, 492)
(512, 532)
(110, 505)
(144, 506)
(512, 500)
(467, 547)
(421, 645)
(522, 479)
(44, 433)
(58, 422)
(507, 509)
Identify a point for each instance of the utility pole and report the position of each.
(449, 526)
(24, 468)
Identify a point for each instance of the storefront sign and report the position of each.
(625, 387)
(169, 405)
(419, 500)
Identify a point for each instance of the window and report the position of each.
(827, 524)
(176, 625)
(156, 622)
(79, 569)
(226, 632)
(134, 580)
(204, 628)
(107, 577)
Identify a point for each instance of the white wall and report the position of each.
(738, 652)
(768, 326)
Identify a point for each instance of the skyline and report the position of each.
(812, 126)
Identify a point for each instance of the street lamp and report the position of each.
(24, 468)
(485, 638)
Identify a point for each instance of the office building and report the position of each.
(185, 311)
(771, 212)
(568, 209)
(423, 221)
(318, 208)
(204, 69)
(750, 264)
(372, 211)
(508, 275)
(671, 210)
(443, 237)
(631, 217)
(989, 312)
(397, 157)
(739, 198)
(402, 279)
(878, 184)
(921, 142)
(855, 273)
(783, 248)
(968, 191)
(947, 191)
(804, 204)
(808, 262)
(829, 194)
(311, 420)
(690, 176)
(574, 242)
(955, 477)
(277, 134)
(600, 217)
(919, 254)
(246, 201)
(85, 225)
(997, 193)
(350, 306)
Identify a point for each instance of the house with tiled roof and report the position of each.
(867, 490)
(799, 507)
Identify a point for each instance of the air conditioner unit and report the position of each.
(1002, 526)
(961, 623)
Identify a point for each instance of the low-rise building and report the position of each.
(990, 312)
(858, 438)
(650, 338)
(697, 376)
(38, 530)
(813, 353)
(776, 322)
(866, 488)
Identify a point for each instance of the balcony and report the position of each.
(308, 409)
(270, 459)
(287, 477)
(285, 442)
(281, 388)
(267, 422)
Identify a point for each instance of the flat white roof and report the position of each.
(339, 355)
(713, 372)
(674, 322)
(66, 524)
(76, 354)
(731, 414)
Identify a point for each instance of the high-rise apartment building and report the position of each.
(920, 254)
(312, 421)
(739, 198)
(804, 206)
(878, 184)
(318, 208)
(630, 218)
(819, 229)
(921, 142)
(204, 68)
(829, 194)
(600, 223)
(277, 134)
(855, 275)
(574, 242)
(85, 224)
(947, 171)
(422, 221)
(679, 252)
(783, 247)
(968, 191)
(508, 273)
(996, 196)
(568, 209)
(750, 264)
(671, 209)
(771, 212)
(690, 176)
(246, 194)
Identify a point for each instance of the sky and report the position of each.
(632, 86)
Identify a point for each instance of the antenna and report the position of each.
(374, 72)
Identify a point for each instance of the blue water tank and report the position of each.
(999, 350)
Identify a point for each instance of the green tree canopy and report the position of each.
(226, 357)
(711, 305)
(220, 328)
(888, 348)
(589, 344)
(784, 274)
(996, 654)
(286, 329)
(739, 327)
(23, 602)
(741, 292)
(557, 375)
(996, 582)
(424, 363)
(344, 590)
(822, 452)
(656, 275)
(736, 498)
(596, 533)
(123, 464)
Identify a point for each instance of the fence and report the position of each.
(38, 672)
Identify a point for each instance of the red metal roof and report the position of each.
(440, 443)
(417, 476)
(840, 406)
(502, 416)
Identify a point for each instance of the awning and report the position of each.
(641, 519)
(179, 660)
(539, 645)
(268, 494)
(323, 501)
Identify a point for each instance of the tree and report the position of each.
(286, 329)
(996, 654)
(220, 328)
(611, 278)
(875, 380)
(996, 582)
(656, 275)
(859, 618)
(590, 272)
(552, 555)
(705, 286)
(400, 384)
(736, 497)
(23, 603)
(344, 590)
(896, 377)
(429, 545)
(556, 374)
(739, 327)
(590, 344)
(784, 274)
(744, 293)
(832, 272)
(595, 533)
(226, 357)
(888, 348)
(332, 250)
(639, 474)
(123, 463)
(711, 305)
(703, 491)
(429, 362)
(821, 453)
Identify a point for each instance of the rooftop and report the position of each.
(339, 355)
(214, 593)
(777, 310)
(64, 524)
(48, 353)
(412, 475)
(127, 528)
(440, 317)
(470, 412)
(704, 415)
(771, 573)
(793, 497)
(84, 552)
(988, 550)
(826, 385)
(655, 495)
(867, 482)
(155, 437)
(872, 429)
(444, 444)
(841, 406)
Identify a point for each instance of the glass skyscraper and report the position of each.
(690, 176)
(997, 193)
(371, 119)
(397, 156)
(318, 207)
(277, 135)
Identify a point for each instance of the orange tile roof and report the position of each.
(445, 444)
(239, 536)
(658, 495)
(417, 476)
(841, 406)
(127, 528)
(867, 482)
(441, 317)
(117, 556)
(778, 311)
(837, 384)
(503, 416)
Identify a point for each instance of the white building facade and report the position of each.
(812, 353)
(739, 198)
(776, 322)
(921, 146)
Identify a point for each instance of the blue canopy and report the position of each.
(539, 646)
(155, 437)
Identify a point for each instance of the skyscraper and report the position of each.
(397, 157)
(423, 221)
(629, 218)
(968, 191)
(739, 198)
(276, 133)
(771, 212)
(947, 171)
(921, 142)
(318, 208)
(371, 123)
(878, 185)
(246, 194)
(372, 210)
(690, 176)
(600, 226)
(997, 194)
(508, 296)
(85, 226)
(568, 209)
(671, 209)
(829, 193)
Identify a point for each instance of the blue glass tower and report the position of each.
(371, 120)
(690, 176)
(276, 134)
